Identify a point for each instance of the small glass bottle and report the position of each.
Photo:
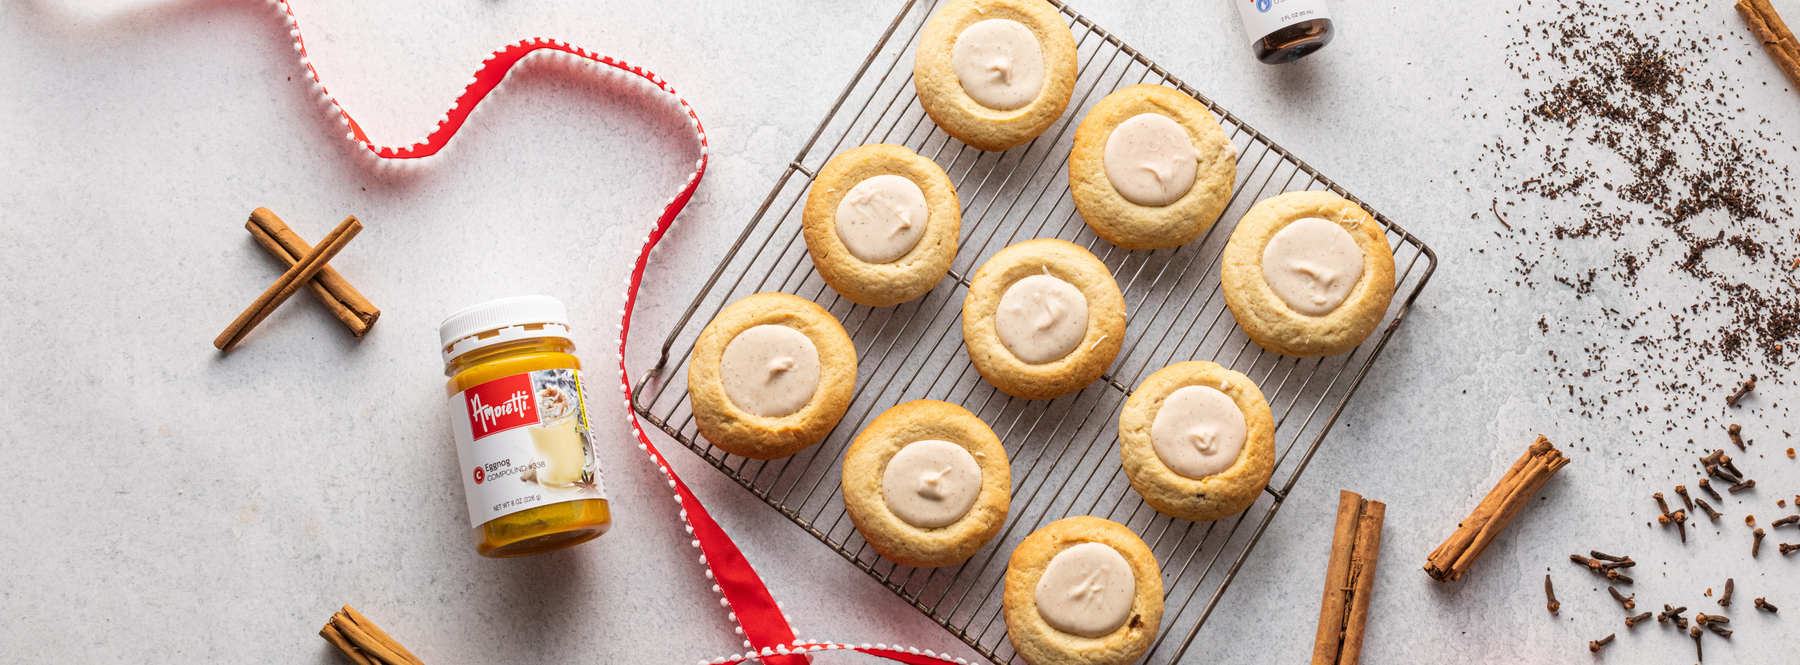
(520, 421)
(1285, 30)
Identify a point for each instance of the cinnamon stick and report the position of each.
(332, 290)
(290, 282)
(364, 642)
(1775, 36)
(331, 634)
(1453, 558)
(1349, 580)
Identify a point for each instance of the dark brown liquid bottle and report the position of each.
(1285, 30)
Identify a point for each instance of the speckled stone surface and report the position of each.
(166, 503)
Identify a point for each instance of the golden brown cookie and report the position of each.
(942, 94)
(1266, 318)
(867, 460)
(1036, 640)
(1065, 261)
(1213, 497)
(749, 435)
(913, 274)
(1133, 226)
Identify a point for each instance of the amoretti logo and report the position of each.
(500, 405)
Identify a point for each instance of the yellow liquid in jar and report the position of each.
(553, 526)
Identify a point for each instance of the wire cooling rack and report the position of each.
(1064, 452)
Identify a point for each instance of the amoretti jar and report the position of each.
(520, 421)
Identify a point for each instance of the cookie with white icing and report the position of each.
(1308, 274)
(995, 73)
(770, 375)
(1151, 168)
(1043, 318)
(881, 224)
(1082, 590)
(927, 483)
(1197, 441)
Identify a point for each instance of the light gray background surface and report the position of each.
(165, 503)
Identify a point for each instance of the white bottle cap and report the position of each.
(506, 318)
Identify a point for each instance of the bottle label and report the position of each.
(1262, 17)
(522, 442)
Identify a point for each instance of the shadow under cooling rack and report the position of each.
(1064, 452)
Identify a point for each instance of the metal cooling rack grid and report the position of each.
(1064, 452)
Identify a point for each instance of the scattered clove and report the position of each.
(1704, 619)
(1695, 632)
(1710, 513)
(1756, 545)
(1725, 599)
(1669, 613)
(1789, 548)
(1718, 630)
(1608, 557)
(1726, 464)
(1766, 607)
(1627, 563)
(1734, 489)
(1596, 645)
(1582, 560)
(1661, 505)
(1706, 485)
(1682, 490)
(1749, 520)
(1628, 603)
(1679, 519)
(1632, 622)
(1550, 592)
(1791, 519)
(1742, 390)
(1737, 435)
(1616, 576)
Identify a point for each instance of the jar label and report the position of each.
(523, 442)
(1262, 17)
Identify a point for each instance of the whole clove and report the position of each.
(1710, 513)
(1706, 485)
(1619, 577)
(1607, 557)
(1682, 490)
(1704, 619)
(1584, 561)
(1718, 630)
(1766, 607)
(1679, 519)
(1725, 599)
(1596, 645)
(1695, 632)
(1617, 564)
(1550, 593)
(1734, 489)
(1661, 505)
(1756, 545)
(1632, 622)
(1791, 519)
(1789, 548)
(1669, 613)
(1726, 464)
(1737, 435)
(1628, 603)
(1743, 389)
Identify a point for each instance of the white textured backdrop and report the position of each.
(165, 503)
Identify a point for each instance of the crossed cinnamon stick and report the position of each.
(1516, 489)
(363, 642)
(307, 266)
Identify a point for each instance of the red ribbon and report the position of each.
(765, 627)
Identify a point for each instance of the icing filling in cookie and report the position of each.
(999, 64)
(1312, 264)
(1041, 318)
(931, 483)
(1086, 590)
(1198, 431)
(882, 218)
(1150, 160)
(770, 370)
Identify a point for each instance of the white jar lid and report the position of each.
(507, 317)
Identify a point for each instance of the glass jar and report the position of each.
(1282, 31)
(519, 417)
